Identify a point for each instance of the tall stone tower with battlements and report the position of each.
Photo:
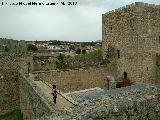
(131, 41)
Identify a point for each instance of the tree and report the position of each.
(6, 49)
(78, 51)
(92, 43)
(61, 57)
(72, 47)
(84, 51)
(31, 47)
(83, 44)
(60, 62)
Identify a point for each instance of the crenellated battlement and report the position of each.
(136, 4)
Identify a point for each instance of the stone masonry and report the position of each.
(73, 80)
(131, 40)
(10, 52)
(9, 84)
(12, 46)
(135, 102)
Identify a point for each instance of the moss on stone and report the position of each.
(14, 115)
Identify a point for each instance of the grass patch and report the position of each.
(14, 115)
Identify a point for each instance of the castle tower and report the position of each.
(131, 40)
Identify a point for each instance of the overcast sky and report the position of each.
(82, 22)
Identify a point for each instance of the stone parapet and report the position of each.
(75, 80)
(136, 4)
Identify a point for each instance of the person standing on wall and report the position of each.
(54, 93)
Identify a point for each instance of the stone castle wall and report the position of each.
(137, 57)
(139, 102)
(32, 102)
(17, 91)
(12, 46)
(134, 32)
(74, 80)
(158, 69)
(9, 84)
(10, 95)
(36, 101)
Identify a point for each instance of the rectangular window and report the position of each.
(110, 23)
(111, 28)
(118, 52)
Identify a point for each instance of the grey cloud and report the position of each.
(79, 23)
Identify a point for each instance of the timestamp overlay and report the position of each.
(35, 3)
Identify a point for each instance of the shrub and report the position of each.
(31, 47)
(83, 51)
(78, 51)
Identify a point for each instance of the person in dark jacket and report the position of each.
(54, 93)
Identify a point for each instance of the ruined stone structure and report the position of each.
(131, 41)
